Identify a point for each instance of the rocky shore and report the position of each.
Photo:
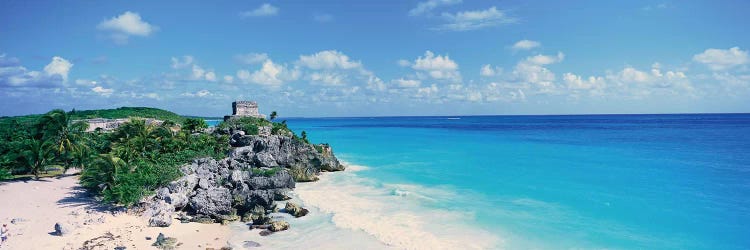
(258, 171)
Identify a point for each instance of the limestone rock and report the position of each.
(62, 229)
(163, 242)
(160, 213)
(295, 210)
(278, 226)
(215, 202)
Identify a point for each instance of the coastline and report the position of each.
(37, 205)
(348, 211)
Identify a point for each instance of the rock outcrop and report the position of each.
(258, 171)
(304, 161)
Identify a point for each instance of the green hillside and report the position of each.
(123, 112)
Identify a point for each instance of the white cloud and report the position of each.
(228, 79)
(211, 76)
(472, 20)
(13, 75)
(84, 82)
(403, 63)
(437, 66)
(199, 73)
(328, 59)
(531, 70)
(575, 82)
(327, 78)
(546, 59)
(526, 45)
(264, 10)
(125, 25)
(375, 84)
(404, 83)
(58, 66)
(178, 63)
(488, 71)
(103, 91)
(427, 6)
(196, 72)
(630, 74)
(270, 74)
(200, 93)
(251, 58)
(721, 59)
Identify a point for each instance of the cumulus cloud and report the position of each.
(228, 79)
(199, 93)
(427, 6)
(404, 83)
(196, 71)
(328, 78)
(179, 63)
(125, 25)
(722, 59)
(473, 20)
(58, 66)
(102, 91)
(328, 59)
(270, 74)
(54, 74)
(531, 70)
(264, 10)
(437, 66)
(488, 71)
(251, 58)
(525, 45)
(403, 63)
(545, 59)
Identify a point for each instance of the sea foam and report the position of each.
(400, 220)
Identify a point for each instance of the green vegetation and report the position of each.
(266, 172)
(273, 115)
(143, 157)
(123, 112)
(121, 166)
(194, 124)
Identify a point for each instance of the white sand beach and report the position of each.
(35, 206)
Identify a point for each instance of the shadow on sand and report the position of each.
(80, 197)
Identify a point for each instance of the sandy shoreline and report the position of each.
(37, 205)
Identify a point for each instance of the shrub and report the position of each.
(266, 172)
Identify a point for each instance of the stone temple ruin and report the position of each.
(244, 109)
(106, 125)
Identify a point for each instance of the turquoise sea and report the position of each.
(544, 182)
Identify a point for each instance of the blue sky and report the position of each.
(372, 58)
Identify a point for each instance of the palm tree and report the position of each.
(37, 156)
(57, 128)
(101, 174)
(273, 115)
(136, 139)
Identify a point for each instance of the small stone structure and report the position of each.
(244, 109)
(112, 124)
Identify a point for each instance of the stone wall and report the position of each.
(244, 109)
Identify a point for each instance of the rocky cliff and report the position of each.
(258, 171)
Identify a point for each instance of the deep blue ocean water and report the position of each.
(561, 182)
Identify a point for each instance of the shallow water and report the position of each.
(545, 182)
